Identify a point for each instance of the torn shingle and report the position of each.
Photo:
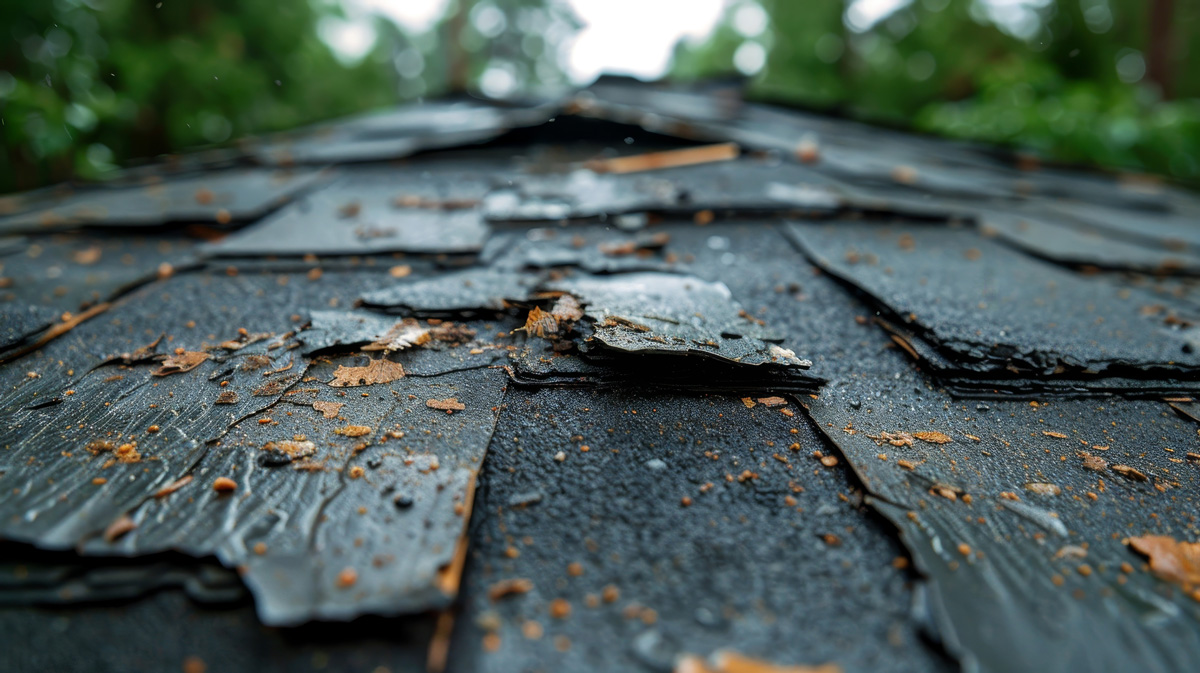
(372, 210)
(948, 296)
(216, 197)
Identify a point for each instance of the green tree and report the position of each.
(85, 84)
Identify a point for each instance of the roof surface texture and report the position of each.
(642, 380)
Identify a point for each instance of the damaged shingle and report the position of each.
(219, 197)
(373, 210)
(948, 297)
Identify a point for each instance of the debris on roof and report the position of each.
(671, 382)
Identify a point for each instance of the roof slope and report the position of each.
(598, 384)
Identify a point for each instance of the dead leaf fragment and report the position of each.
(354, 430)
(116, 529)
(87, 256)
(227, 397)
(328, 409)
(1093, 462)
(378, 371)
(243, 339)
(1130, 472)
(1051, 433)
(510, 587)
(666, 159)
(893, 438)
(1042, 488)
(449, 405)
(567, 309)
(173, 486)
(405, 334)
(1173, 561)
(727, 661)
(933, 437)
(224, 485)
(772, 401)
(178, 363)
(541, 323)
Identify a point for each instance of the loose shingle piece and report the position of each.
(216, 197)
(953, 299)
(374, 209)
(644, 379)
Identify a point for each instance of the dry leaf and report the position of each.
(293, 448)
(510, 587)
(893, 438)
(1130, 472)
(328, 409)
(933, 437)
(354, 430)
(243, 339)
(666, 159)
(449, 405)
(173, 486)
(772, 401)
(726, 661)
(181, 362)
(1173, 561)
(567, 309)
(405, 334)
(118, 528)
(540, 323)
(1093, 462)
(1042, 488)
(378, 371)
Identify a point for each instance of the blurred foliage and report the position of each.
(85, 84)
(1097, 81)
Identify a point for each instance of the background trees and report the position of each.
(86, 85)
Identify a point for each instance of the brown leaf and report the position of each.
(567, 309)
(772, 401)
(354, 430)
(328, 409)
(1093, 462)
(181, 362)
(243, 339)
(540, 323)
(1171, 560)
(449, 405)
(87, 256)
(118, 528)
(378, 371)
(405, 334)
(933, 437)
(173, 486)
(727, 661)
(666, 159)
(1130, 472)
(893, 438)
(1042, 488)
(293, 448)
(509, 587)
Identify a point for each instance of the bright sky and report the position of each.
(613, 42)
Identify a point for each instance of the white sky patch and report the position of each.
(635, 37)
(861, 15)
(417, 16)
(350, 40)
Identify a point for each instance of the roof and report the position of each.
(634, 380)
